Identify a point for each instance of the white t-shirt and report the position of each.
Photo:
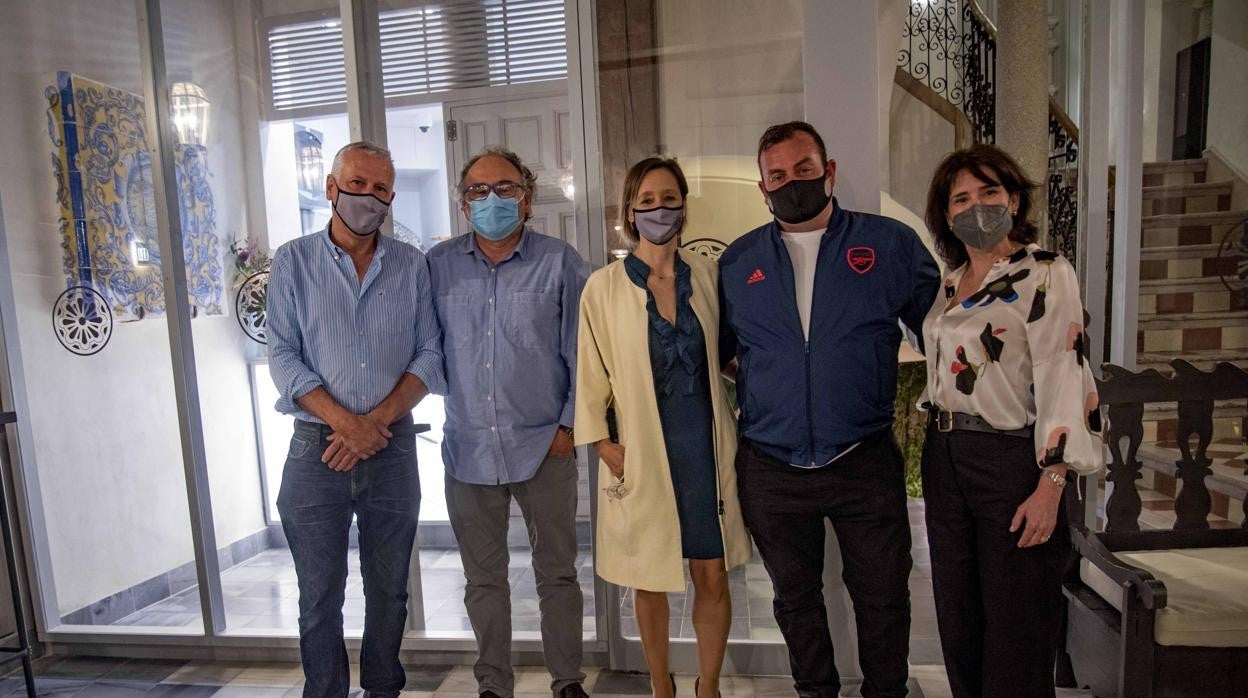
(804, 253)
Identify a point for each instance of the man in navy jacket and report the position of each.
(810, 310)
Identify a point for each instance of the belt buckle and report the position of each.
(944, 421)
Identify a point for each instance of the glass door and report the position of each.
(685, 79)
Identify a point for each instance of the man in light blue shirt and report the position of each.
(354, 345)
(507, 298)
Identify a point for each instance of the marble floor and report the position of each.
(96, 677)
(261, 593)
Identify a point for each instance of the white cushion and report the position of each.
(1206, 593)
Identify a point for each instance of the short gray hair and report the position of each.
(366, 147)
(528, 180)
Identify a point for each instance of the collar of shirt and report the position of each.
(836, 223)
(337, 252)
(468, 245)
(951, 281)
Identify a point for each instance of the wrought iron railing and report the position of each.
(950, 47)
(1063, 179)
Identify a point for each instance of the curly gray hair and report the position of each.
(528, 180)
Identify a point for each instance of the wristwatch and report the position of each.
(568, 431)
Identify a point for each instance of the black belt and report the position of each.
(946, 421)
(400, 426)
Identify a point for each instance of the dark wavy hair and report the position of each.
(632, 184)
(990, 165)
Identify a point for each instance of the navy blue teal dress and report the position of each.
(682, 388)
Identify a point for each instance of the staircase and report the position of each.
(1187, 310)
(1186, 307)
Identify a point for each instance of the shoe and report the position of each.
(695, 688)
(573, 690)
(489, 694)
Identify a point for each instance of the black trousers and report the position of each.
(863, 494)
(998, 606)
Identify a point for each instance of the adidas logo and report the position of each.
(756, 277)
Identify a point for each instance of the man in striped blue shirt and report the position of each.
(354, 345)
(508, 297)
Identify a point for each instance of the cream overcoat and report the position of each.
(638, 536)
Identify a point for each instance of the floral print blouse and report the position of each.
(1015, 353)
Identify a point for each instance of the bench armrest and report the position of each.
(1150, 590)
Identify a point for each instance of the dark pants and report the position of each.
(863, 495)
(480, 515)
(316, 505)
(998, 606)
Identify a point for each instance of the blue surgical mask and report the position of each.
(494, 217)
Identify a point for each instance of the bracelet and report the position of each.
(1055, 478)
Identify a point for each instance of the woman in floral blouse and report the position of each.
(1012, 410)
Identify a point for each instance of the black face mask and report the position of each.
(799, 200)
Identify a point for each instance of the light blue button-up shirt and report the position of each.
(326, 328)
(509, 336)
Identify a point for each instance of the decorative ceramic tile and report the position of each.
(107, 201)
(1211, 302)
(1163, 340)
(1185, 268)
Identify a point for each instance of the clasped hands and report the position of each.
(355, 438)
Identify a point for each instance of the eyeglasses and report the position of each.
(505, 190)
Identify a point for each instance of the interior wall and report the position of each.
(919, 138)
(728, 70)
(106, 451)
(1169, 27)
(1228, 100)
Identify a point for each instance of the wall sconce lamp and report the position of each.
(310, 160)
(190, 112)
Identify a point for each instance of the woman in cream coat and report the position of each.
(648, 348)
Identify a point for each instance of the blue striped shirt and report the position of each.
(510, 345)
(328, 329)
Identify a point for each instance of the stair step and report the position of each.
(1193, 165)
(1195, 284)
(1157, 411)
(1166, 252)
(1178, 321)
(1203, 360)
(1177, 220)
(1171, 191)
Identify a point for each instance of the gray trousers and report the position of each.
(479, 516)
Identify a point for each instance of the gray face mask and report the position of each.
(658, 225)
(983, 226)
(362, 213)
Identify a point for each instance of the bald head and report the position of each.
(361, 168)
(358, 149)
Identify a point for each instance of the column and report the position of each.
(1023, 90)
(1128, 125)
(841, 76)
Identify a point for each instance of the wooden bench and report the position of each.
(1160, 612)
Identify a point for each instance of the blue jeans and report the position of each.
(316, 505)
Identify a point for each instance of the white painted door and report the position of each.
(538, 130)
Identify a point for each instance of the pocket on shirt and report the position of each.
(453, 313)
(532, 319)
